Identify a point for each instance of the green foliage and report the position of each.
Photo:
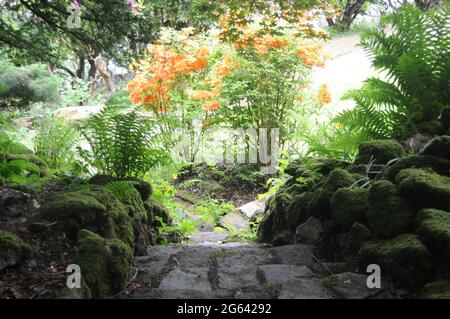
(21, 85)
(416, 63)
(54, 143)
(121, 144)
(20, 172)
(211, 210)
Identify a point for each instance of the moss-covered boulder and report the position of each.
(389, 213)
(311, 167)
(12, 249)
(320, 204)
(105, 264)
(144, 188)
(404, 259)
(438, 146)
(437, 164)
(350, 243)
(156, 209)
(425, 189)
(432, 128)
(96, 209)
(350, 205)
(329, 242)
(433, 227)
(297, 212)
(382, 151)
(275, 219)
(439, 289)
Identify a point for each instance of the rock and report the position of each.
(389, 213)
(284, 237)
(13, 249)
(252, 209)
(298, 254)
(234, 221)
(105, 263)
(77, 113)
(445, 117)
(350, 285)
(382, 151)
(436, 290)
(297, 212)
(155, 293)
(437, 164)
(350, 205)
(351, 242)
(326, 268)
(195, 278)
(328, 244)
(280, 273)
(14, 203)
(439, 147)
(425, 189)
(208, 237)
(96, 209)
(155, 208)
(433, 226)
(432, 128)
(320, 204)
(304, 289)
(309, 232)
(239, 276)
(307, 167)
(404, 259)
(416, 142)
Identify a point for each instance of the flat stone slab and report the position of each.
(157, 293)
(235, 221)
(252, 208)
(304, 289)
(299, 254)
(280, 274)
(194, 279)
(237, 277)
(208, 237)
(350, 285)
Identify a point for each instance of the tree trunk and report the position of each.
(350, 13)
(101, 67)
(330, 22)
(80, 67)
(425, 5)
(91, 75)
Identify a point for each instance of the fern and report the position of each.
(121, 143)
(416, 60)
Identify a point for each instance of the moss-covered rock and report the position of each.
(329, 243)
(438, 146)
(156, 209)
(445, 117)
(351, 242)
(389, 213)
(105, 263)
(320, 204)
(382, 151)
(425, 189)
(437, 164)
(144, 188)
(12, 249)
(96, 209)
(404, 259)
(310, 167)
(433, 226)
(350, 205)
(297, 212)
(432, 128)
(439, 289)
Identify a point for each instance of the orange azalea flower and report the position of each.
(198, 95)
(211, 105)
(324, 95)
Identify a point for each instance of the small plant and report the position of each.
(19, 172)
(121, 144)
(54, 143)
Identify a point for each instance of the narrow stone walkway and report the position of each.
(241, 271)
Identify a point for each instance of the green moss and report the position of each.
(433, 226)
(310, 167)
(381, 151)
(297, 212)
(425, 189)
(404, 259)
(105, 263)
(96, 209)
(155, 208)
(350, 205)
(439, 289)
(10, 242)
(144, 188)
(438, 146)
(320, 204)
(389, 213)
(330, 281)
(432, 128)
(437, 164)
